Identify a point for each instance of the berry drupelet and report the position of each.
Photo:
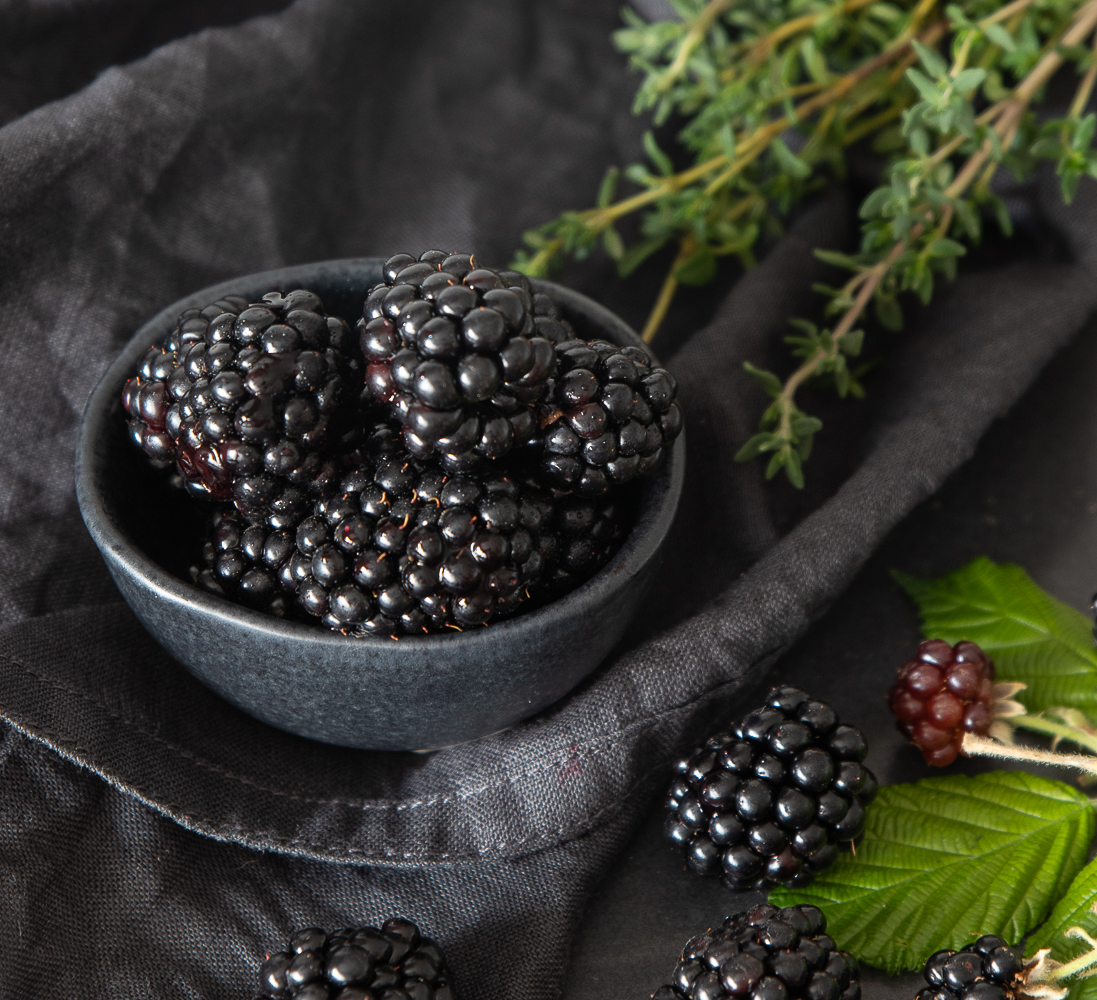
(249, 401)
(941, 694)
(453, 351)
(768, 802)
(765, 954)
(608, 416)
(989, 969)
(393, 963)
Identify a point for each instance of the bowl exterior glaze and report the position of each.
(415, 693)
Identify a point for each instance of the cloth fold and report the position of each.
(156, 841)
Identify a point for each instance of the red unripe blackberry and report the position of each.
(941, 694)
(769, 802)
(765, 954)
(358, 963)
(989, 969)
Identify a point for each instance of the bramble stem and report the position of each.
(980, 746)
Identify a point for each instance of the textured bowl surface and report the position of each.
(415, 693)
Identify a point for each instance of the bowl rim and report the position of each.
(647, 534)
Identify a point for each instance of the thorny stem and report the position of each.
(980, 746)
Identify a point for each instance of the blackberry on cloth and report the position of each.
(768, 802)
(765, 954)
(394, 963)
(989, 969)
(249, 401)
(941, 694)
(453, 352)
(608, 416)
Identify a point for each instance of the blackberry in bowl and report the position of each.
(425, 690)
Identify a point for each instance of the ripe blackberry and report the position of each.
(769, 801)
(943, 693)
(452, 349)
(394, 963)
(765, 954)
(242, 561)
(402, 547)
(248, 401)
(608, 416)
(989, 969)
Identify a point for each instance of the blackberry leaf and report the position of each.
(1032, 637)
(1075, 909)
(945, 860)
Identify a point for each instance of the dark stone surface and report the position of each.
(320, 684)
(1028, 497)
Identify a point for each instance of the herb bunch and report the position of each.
(772, 94)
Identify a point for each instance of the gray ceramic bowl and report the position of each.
(416, 693)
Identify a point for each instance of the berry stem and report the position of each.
(980, 746)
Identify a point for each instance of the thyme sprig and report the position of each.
(772, 94)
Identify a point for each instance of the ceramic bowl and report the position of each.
(416, 693)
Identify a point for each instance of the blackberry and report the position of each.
(358, 963)
(769, 801)
(608, 416)
(989, 969)
(242, 561)
(248, 401)
(941, 694)
(452, 350)
(765, 954)
(402, 547)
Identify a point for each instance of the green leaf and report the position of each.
(1032, 637)
(934, 64)
(656, 155)
(945, 860)
(766, 441)
(836, 259)
(612, 242)
(789, 161)
(1075, 909)
(770, 382)
(699, 268)
(1000, 37)
(608, 188)
(967, 80)
(636, 255)
(889, 312)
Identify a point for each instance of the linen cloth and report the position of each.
(154, 841)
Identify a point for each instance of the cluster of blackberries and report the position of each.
(358, 963)
(770, 801)
(765, 954)
(463, 455)
(941, 694)
(989, 969)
